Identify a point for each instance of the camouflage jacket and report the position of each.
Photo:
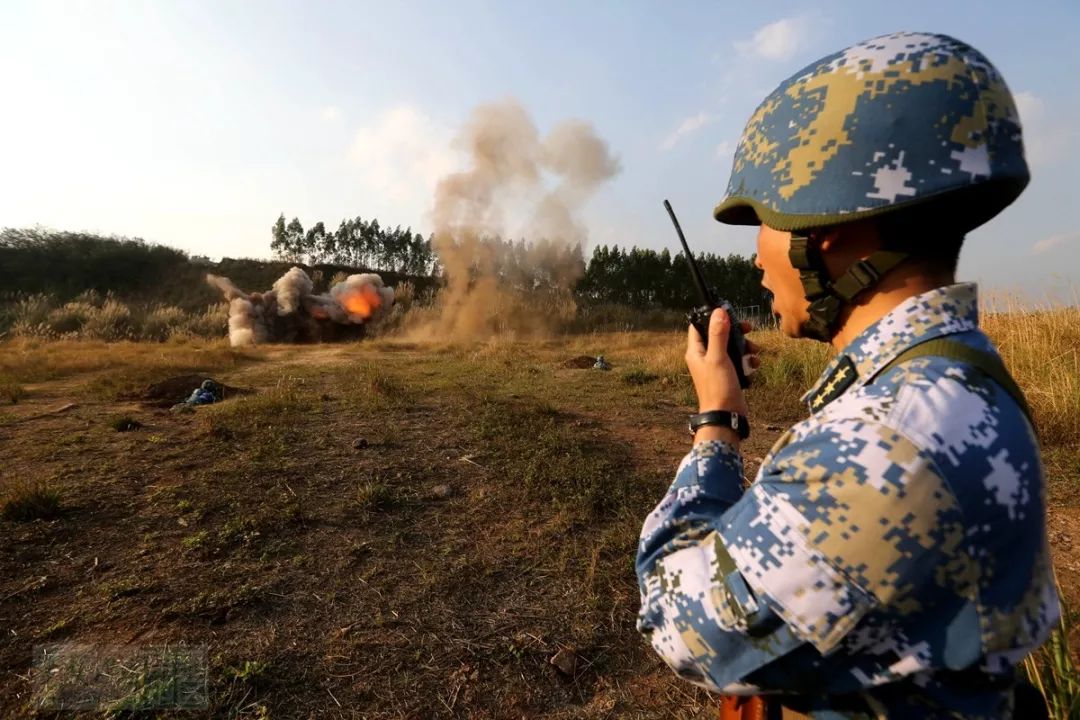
(890, 558)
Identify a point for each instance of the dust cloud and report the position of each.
(515, 182)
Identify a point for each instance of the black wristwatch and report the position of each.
(722, 418)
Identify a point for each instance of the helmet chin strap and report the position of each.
(827, 296)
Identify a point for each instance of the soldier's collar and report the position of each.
(942, 311)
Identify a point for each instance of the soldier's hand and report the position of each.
(715, 380)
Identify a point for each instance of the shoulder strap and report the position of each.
(988, 363)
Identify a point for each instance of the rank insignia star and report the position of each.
(842, 378)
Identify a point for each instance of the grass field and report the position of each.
(389, 530)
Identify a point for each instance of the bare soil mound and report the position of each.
(581, 362)
(176, 389)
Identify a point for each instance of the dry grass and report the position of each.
(1041, 347)
(22, 501)
(375, 495)
(352, 566)
(11, 392)
(263, 522)
(130, 365)
(92, 316)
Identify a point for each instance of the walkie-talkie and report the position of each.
(699, 316)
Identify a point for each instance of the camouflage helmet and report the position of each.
(916, 122)
(888, 123)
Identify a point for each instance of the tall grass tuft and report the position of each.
(11, 391)
(25, 500)
(113, 321)
(160, 323)
(33, 309)
(211, 323)
(1051, 669)
(69, 318)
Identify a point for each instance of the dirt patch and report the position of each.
(581, 362)
(176, 389)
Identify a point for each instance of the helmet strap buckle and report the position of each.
(864, 273)
(827, 297)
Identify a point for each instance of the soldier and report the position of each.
(890, 558)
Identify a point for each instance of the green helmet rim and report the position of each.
(968, 208)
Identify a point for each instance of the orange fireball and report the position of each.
(361, 301)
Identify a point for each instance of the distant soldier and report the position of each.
(890, 558)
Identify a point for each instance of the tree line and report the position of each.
(65, 264)
(356, 242)
(637, 277)
(641, 277)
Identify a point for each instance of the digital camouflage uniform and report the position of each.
(892, 544)
(890, 558)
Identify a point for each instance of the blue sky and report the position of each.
(195, 123)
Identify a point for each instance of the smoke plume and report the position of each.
(493, 286)
(291, 312)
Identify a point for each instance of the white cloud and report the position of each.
(725, 150)
(687, 127)
(776, 41)
(1052, 242)
(402, 155)
(1046, 138)
(331, 113)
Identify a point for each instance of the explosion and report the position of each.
(494, 287)
(291, 312)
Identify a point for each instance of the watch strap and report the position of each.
(721, 418)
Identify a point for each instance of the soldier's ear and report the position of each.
(856, 238)
(828, 240)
